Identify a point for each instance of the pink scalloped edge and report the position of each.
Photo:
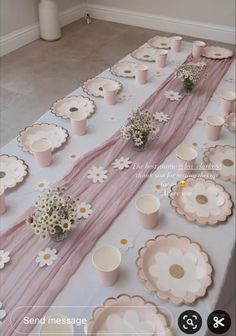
(213, 220)
(207, 161)
(25, 169)
(124, 298)
(28, 127)
(190, 298)
(90, 79)
(53, 110)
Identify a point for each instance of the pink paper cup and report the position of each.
(110, 93)
(161, 58)
(107, 260)
(2, 202)
(42, 151)
(198, 49)
(78, 121)
(141, 74)
(227, 102)
(148, 207)
(176, 42)
(214, 126)
(187, 157)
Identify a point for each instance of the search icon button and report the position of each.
(190, 322)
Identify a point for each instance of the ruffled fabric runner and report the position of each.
(27, 289)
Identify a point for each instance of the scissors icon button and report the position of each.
(219, 322)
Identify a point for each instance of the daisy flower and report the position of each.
(84, 210)
(97, 174)
(161, 116)
(172, 95)
(2, 313)
(126, 242)
(4, 258)
(65, 224)
(46, 257)
(42, 185)
(121, 163)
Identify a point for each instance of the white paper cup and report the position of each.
(141, 74)
(78, 121)
(54, 326)
(42, 150)
(187, 156)
(227, 102)
(161, 58)
(198, 48)
(176, 42)
(148, 207)
(214, 126)
(110, 93)
(107, 260)
(2, 201)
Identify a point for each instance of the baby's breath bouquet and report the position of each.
(141, 127)
(190, 74)
(54, 214)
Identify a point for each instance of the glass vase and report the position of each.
(188, 86)
(59, 235)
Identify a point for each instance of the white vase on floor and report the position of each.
(50, 29)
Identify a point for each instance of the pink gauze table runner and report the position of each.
(27, 289)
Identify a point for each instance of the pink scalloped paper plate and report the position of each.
(56, 135)
(12, 171)
(215, 52)
(222, 158)
(201, 201)
(175, 269)
(160, 42)
(128, 315)
(65, 106)
(230, 122)
(94, 86)
(124, 69)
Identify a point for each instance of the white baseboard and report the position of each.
(164, 23)
(28, 34)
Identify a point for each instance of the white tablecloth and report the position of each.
(83, 292)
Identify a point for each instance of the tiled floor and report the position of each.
(34, 76)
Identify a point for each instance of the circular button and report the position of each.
(219, 322)
(190, 322)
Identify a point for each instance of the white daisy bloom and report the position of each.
(126, 242)
(202, 200)
(84, 210)
(42, 185)
(97, 174)
(127, 324)
(46, 257)
(177, 272)
(161, 116)
(172, 95)
(4, 258)
(121, 163)
(2, 313)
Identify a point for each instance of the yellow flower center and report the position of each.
(201, 199)
(182, 183)
(83, 210)
(195, 144)
(41, 185)
(97, 174)
(176, 271)
(158, 186)
(124, 241)
(46, 256)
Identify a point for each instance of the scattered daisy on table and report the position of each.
(125, 242)
(47, 257)
(97, 174)
(161, 117)
(42, 185)
(2, 313)
(4, 258)
(84, 210)
(122, 163)
(172, 95)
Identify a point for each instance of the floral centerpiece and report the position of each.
(141, 127)
(190, 74)
(54, 214)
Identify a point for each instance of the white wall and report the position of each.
(219, 12)
(17, 14)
